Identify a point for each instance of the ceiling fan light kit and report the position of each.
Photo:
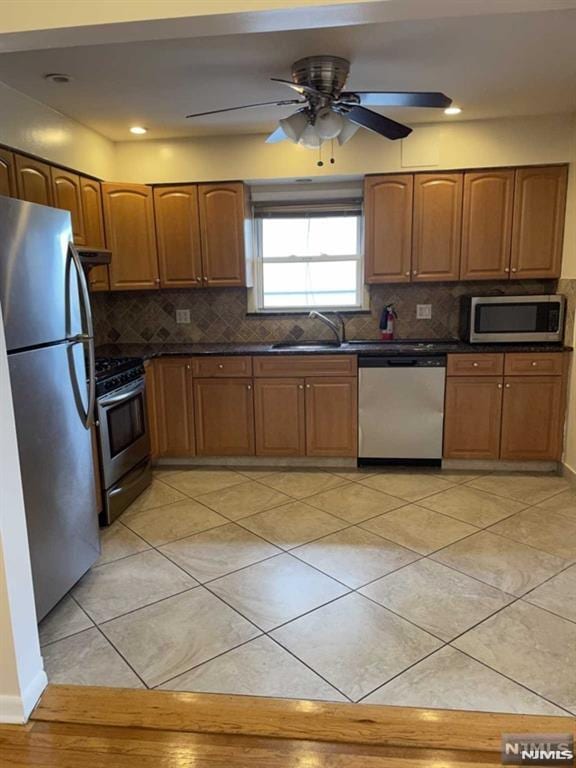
(327, 112)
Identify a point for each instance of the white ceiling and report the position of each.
(492, 66)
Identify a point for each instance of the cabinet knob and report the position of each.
(514, 269)
(300, 386)
(307, 386)
(198, 279)
(499, 386)
(157, 280)
(249, 386)
(507, 386)
(534, 363)
(188, 367)
(506, 269)
(220, 365)
(205, 278)
(475, 365)
(414, 272)
(407, 273)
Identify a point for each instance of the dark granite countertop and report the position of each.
(366, 347)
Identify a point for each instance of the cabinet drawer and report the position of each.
(306, 365)
(475, 365)
(538, 364)
(210, 367)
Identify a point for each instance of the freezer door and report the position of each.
(50, 403)
(39, 289)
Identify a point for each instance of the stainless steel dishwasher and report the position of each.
(401, 407)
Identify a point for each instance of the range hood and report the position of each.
(93, 257)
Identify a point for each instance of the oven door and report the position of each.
(124, 440)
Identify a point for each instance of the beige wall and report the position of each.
(33, 127)
(460, 144)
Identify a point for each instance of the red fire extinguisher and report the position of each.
(387, 319)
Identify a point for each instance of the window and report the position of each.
(308, 256)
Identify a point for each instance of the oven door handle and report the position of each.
(126, 394)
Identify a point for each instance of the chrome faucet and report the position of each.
(339, 333)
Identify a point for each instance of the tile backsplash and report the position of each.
(220, 314)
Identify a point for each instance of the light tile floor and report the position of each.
(416, 588)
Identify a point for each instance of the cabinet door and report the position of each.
(68, 195)
(178, 233)
(538, 226)
(94, 230)
(33, 181)
(279, 417)
(174, 407)
(472, 417)
(224, 411)
(222, 213)
(129, 223)
(532, 418)
(388, 202)
(487, 225)
(7, 174)
(331, 416)
(437, 226)
(152, 406)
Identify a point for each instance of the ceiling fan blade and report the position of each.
(397, 99)
(284, 103)
(386, 127)
(303, 89)
(276, 136)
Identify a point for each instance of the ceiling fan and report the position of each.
(327, 111)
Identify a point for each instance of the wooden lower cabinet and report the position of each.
(532, 418)
(472, 417)
(279, 414)
(331, 416)
(174, 407)
(152, 406)
(224, 416)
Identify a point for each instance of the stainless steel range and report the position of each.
(123, 433)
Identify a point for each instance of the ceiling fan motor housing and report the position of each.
(327, 74)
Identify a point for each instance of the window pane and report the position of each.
(310, 284)
(330, 235)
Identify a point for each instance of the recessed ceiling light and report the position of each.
(57, 77)
(138, 130)
(452, 111)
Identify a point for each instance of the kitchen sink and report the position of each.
(306, 345)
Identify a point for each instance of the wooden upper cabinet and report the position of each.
(331, 416)
(98, 277)
(532, 418)
(222, 217)
(473, 411)
(178, 236)
(129, 224)
(68, 196)
(538, 224)
(279, 414)
(487, 225)
(33, 181)
(174, 407)
(437, 226)
(224, 414)
(7, 174)
(388, 202)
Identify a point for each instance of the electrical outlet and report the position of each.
(424, 311)
(182, 315)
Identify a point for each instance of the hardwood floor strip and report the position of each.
(54, 744)
(288, 719)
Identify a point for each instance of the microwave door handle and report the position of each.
(127, 394)
(86, 338)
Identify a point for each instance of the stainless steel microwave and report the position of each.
(509, 319)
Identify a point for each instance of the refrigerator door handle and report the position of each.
(87, 337)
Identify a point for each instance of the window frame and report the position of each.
(316, 208)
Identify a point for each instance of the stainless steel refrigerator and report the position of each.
(48, 327)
